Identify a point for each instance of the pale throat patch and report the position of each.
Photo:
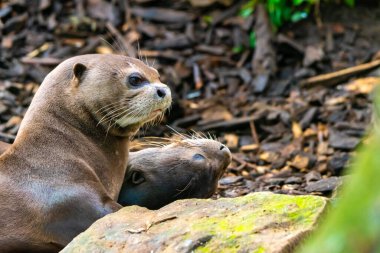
(126, 121)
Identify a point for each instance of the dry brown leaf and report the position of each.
(215, 113)
(269, 156)
(300, 162)
(232, 140)
(104, 50)
(297, 130)
(363, 85)
(249, 148)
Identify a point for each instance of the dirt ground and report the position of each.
(288, 133)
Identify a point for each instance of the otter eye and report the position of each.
(137, 177)
(135, 80)
(198, 157)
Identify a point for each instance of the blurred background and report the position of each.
(285, 84)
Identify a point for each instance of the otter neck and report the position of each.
(63, 123)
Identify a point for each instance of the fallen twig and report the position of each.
(42, 61)
(254, 132)
(340, 75)
(228, 124)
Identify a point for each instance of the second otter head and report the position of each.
(189, 168)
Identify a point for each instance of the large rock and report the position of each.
(258, 222)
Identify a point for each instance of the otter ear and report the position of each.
(78, 70)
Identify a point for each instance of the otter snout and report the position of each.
(226, 153)
(162, 92)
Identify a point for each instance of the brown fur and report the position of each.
(189, 168)
(171, 172)
(3, 147)
(65, 169)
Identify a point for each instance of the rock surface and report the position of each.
(258, 222)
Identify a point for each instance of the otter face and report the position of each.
(153, 97)
(187, 169)
(125, 92)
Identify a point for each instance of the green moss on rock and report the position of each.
(258, 222)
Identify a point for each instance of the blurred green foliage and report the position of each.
(353, 224)
(283, 11)
(280, 12)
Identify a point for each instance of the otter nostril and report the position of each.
(222, 147)
(161, 92)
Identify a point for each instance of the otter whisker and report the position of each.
(199, 135)
(111, 118)
(125, 110)
(113, 122)
(108, 106)
(165, 141)
(110, 115)
(204, 135)
(157, 144)
(133, 113)
(158, 138)
(180, 163)
(182, 136)
(117, 39)
(109, 44)
(159, 118)
(138, 50)
(184, 189)
(114, 110)
(146, 60)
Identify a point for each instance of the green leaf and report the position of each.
(252, 40)
(299, 15)
(350, 3)
(298, 2)
(245, 13)
(248, 8)
(207, 19)
(237, 49)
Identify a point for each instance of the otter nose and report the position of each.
(161, 92)
(226, 152)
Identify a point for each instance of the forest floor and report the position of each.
(289, 133)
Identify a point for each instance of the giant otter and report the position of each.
(68, 161)
(188, 168)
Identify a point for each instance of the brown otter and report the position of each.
(189, 168)
(68, 161)
(185, 169)
(3, 147)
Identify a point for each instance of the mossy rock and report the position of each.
(258, 222)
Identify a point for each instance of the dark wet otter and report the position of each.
(189, 168)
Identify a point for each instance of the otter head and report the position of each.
(189, 168)
(121, 92)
